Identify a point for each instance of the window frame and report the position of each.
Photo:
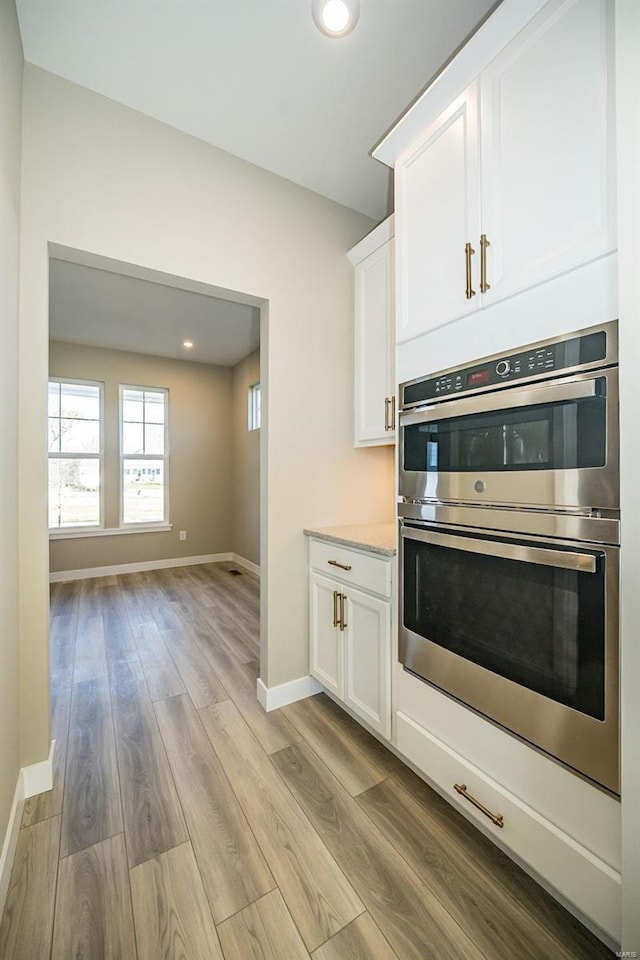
(68, 531)
(254, 410)
(122, 457)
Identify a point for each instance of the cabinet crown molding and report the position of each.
(375, 239)
(485, 44)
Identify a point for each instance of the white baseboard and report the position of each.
(11, 839)
(90, 572)
(270, 698)
(38, 778)
(247, 564)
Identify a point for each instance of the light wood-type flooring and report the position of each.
(185, 822)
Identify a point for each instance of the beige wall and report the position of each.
(100, 177)
(199, 460)
(10, 122)
(245, 464)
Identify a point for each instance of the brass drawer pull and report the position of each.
(342, 620)
(468, 250)
(343, 566)
(484, 243)
(497, 818)
(335, 608)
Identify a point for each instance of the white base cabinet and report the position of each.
(560, 827)
(326, 655)
(350, 630)
(367, 658)
(586, 881)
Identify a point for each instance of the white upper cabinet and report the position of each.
(374, 384)
(512, 183)
(437, 215)
(548, 160)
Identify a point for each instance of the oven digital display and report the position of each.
(477, 378)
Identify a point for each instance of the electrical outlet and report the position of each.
(183, 534)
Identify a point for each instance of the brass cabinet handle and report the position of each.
(335, 608)
(484, 243)
(468, 249)
(342, 620)
(343, 566)
(497, 818)
(390, 413)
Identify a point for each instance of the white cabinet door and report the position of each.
(437, 214)
(548, 159)
(374, 347)
(326, 650)
(367, 640)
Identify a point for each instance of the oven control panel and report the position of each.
(534, 361)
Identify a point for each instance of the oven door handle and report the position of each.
(582, 562)
(488, 402)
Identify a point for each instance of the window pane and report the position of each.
(54, 434)
(80, 400)
(143, 491)
(154, 438)
(255, 405)
(54, 399)
(74, 493)
(154, 407)
(132, 438)
(79, 436)
(132, 410)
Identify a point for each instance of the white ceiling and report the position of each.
(104, 309)
(256, 78)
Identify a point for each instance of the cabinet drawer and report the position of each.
(579, 876)
(364, 570)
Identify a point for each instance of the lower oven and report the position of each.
(521, 627)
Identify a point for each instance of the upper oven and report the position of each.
(537, 428)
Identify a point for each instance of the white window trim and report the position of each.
(68, 532)
(164, 523)
(74, 533)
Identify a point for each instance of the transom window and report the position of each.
(75, 454)
(143, 454)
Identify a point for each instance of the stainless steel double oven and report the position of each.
(509, 549)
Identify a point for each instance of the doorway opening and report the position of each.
(155, 456)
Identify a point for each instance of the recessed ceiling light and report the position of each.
(335, 18)
(187, 343)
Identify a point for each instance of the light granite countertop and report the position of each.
(376, 537)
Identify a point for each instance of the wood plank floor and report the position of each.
(187, 824)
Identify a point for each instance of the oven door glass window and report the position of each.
(566, 435)
(540, 626)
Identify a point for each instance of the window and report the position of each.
(255, 407)
(75, 454)
(144, 455)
